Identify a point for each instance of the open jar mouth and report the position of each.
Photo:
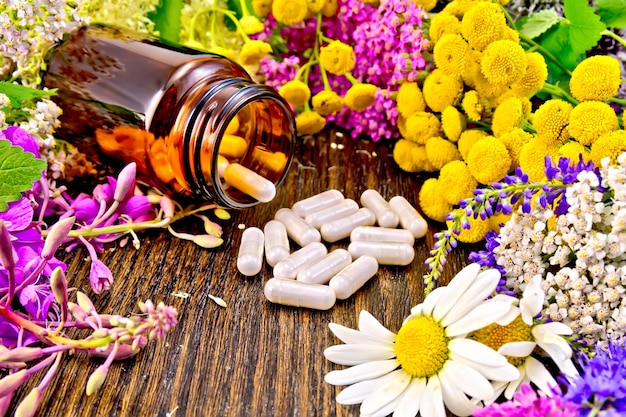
(246, 153)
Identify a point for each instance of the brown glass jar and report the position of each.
(174, 111)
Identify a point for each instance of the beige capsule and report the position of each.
(386, 253)
(410, 219)
(299, 294)
(381, 234)
(300, 231)
(338, 210)
(385, 216)
(317, 202)
(298, 260)
(341, 228)
(353, 277)
(322, 270)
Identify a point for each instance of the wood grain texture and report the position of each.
(253, 358)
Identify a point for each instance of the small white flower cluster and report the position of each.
(581, 254)
(27, 29)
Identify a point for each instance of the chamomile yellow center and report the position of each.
(495, 336)
(421, 346)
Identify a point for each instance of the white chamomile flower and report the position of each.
(429, 365)
(518, 336)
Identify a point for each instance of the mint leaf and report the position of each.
(538, 23)
(585, 29)
(19, 93)
(612, 12)
(18, 171)
(166, 20)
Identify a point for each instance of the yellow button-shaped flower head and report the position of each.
(443, 23)
(410, 99)
(551, 120)
(360, 96)
(482, 24)
(532, 159)
(295, 92)
(337, 58)
(591, 119)
(534, 77)
(574, 151)
(253, 51)
(262, 7)
(503, 62)
(610, 145)
(474, 106)
(596, 78)
(251, 25)
(441, 151)
(289, 12)
(514, 141)
(442, 90)
(453, 123)
(488, 160)
(315, 6)
(327, 102)
(422, 126)
(309, 123)
(411, 157)
(450, 53)
(468, 139)
(431, 201)
(508, 115)
(456, 182)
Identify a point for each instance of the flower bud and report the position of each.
(56, 235)
(13, 381)
(207, 241)
(167, 205)
(85, 303)
(6, 248)
(123, 352)
(28, 406)
(221, 214)
(21, 354)
(96, 379)
(77, 312)
(211, 227)
(58, 283)
(125, 181)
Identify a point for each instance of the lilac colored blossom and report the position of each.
(19, 137)
(526, 403)
(602, 383)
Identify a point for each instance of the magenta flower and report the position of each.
(19, 137)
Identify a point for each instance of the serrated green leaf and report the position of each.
(612, 12)
(19, 93)
(556, 41)
(585, 29)
(18, 171)
(166, 20)
(538, 23)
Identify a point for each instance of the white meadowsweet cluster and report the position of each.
(581, 254)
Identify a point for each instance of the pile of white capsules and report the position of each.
(300, 277)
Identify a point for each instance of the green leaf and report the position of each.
(585, 29)
(538, 23)
(167, 20)
(612, 12)
(19, 93)
(18, 171)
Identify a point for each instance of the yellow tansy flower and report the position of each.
(327, 102)
(471, 69)
(440, 151)
(574, 150)
(360, 96)
(450, 53)
(310, 123)
(262, 8)
(253, 51)
(610, 145)
(477, 231)
(337, 58)
(426, 5)
(551, 119)
(441, 24)
(422, 126)
(289, 12)
(251, 25)
(295, 92)
(514, 141)
(534, 77)
(457, 8)
(591, 119)
(330, 8)
(431, 201)
(468, 139)
(315, 6)
(498, 219)
(442, 90)
(409, 99)
(533, 155)
(473, 105)
(596, 78)
(411, 157)
(487, 89)
(507, 116)
(483, 24)
(456, 182)
(503, 62)
(488, 160)
(453, 123)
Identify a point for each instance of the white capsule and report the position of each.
(322, 270)
(317, 202)
(300, 259)
(379, 234)
(341, 228)
(276, 242)
(299, 294)
(385, 216)
(386, 253)
(249, 182)
(340, 209)
(222, 164)
(353, 277)
(410, 219)
(250, 256)
(300, 231)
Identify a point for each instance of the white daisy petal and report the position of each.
(532, 299)
(355, 354)
(386, 393)
(432, 299)
(481, 316)
(386, 409)
(362, 372)
(368, 324)
(506, 372)
(432, 400)
(409, 404)
(518, 349)
(476, 352)
(539, 375)
(356, 394)
(484, 285)
(455, 289)
(513, 385)
(556, 328)
(510, 316)
(350, 336)
(498, 388)
(454, 399)
(467, 379)
(416, 311)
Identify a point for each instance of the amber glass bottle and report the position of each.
(180, 114)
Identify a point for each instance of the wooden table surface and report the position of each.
(253, 358)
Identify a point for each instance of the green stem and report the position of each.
(620, 101)
(614, 36)
(351, 78)
(559, 92)
(316, 51)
